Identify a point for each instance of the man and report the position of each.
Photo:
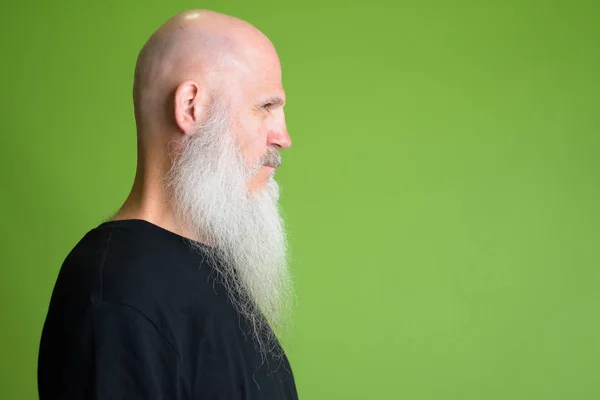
(183, 293)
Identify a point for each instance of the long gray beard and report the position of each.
(244, 230)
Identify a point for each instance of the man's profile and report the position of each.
(183, 293)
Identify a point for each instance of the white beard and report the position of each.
(245, 232)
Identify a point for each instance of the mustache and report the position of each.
(272, 158)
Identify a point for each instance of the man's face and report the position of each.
(259, 123)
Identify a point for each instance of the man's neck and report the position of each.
(148, 205)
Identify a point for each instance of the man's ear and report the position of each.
(189, 105)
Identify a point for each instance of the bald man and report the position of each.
(184, 292)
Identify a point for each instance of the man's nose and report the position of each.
(280, 138)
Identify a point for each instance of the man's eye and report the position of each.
(268, 106)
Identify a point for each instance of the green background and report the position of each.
(441, 193)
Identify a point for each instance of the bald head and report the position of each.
(198, 60)
(211, 49)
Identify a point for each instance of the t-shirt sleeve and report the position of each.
(131, 358)
(118, 354)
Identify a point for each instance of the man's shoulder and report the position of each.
(142, 268)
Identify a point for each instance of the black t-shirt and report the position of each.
(136, 313)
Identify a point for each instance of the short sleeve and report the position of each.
(131, 358)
